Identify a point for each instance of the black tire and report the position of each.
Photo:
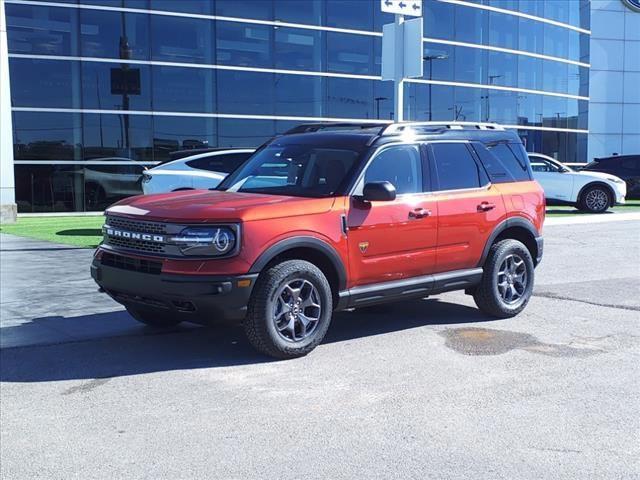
(152, 318)
(488, 296)
(260, 326)
(593, 199)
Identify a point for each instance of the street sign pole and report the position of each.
(398, 83)
(402, 55)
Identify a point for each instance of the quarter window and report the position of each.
(455, 167)
(509, 160)
(402, 166)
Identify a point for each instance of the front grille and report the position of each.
(138, 245)
(138, 227)
(123, 223)
(131, 264)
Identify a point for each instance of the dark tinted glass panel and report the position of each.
(47, 136)
(49, 188)
(106, 184)
(244, 44)
(429, 102)
(171, 134)
(503, 30)
(117, 137)
(556, 40)
(111, 86)
(455, 166)
(438, 61)
(260, 9)
(226, 163)
(295, 11)
(349, 98)
(530, 35)
(516, 167)
(353, 14)
(471, 24)
(503, 69)
(438, 19)
(348, 53)
(298, 49)
(119, 3)
(180, 89)
(471, 65)
(244, 133)
(41, 30)
(44, 83)
(176, 39)
(114, 34)
(383, 100)
(402, 166)
(299, 95)
(237, 92)
(191, 6)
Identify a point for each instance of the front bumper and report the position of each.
(195, 298)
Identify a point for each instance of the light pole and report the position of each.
(430, 59)
(378, 100)
(491, 79)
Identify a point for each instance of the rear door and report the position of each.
(397, 239)
(469, 206)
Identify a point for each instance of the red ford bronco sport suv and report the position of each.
(332, 217)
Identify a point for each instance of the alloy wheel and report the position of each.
(512, 278)
(596, 200)
(297, 311)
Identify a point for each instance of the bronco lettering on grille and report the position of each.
(112, 232)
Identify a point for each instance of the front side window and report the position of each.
(542, 165)
(455, 167)
(401, 166)
(223, 163)
(296, 170)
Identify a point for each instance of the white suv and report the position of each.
(201, 171)
(592, 192)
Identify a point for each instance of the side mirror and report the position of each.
(379, 192)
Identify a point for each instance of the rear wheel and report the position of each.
(290, 310)
(595, 199)
(153, 318)
(507, 282)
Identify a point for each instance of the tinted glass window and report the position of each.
(516, 167)
(297, 170)
(498, 173)
(101, 32)
(631, 163)
(455, 166)
(42, 30)
(226, 163)
(402, 166)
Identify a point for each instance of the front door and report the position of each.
(396, 239)
(469, 207)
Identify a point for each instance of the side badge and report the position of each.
(363, 246)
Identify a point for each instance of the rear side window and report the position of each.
(516, 167)
(455, 167)
(225, 163)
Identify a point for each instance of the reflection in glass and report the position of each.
(121, 137)
(42, 30)
(109, 34)
(181, 133)
(44, 83)
(176, 39)
(180, 89)
(47, 136)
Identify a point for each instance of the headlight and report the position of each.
(615, 180)
(207, 241)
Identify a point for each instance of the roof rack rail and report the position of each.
(315, 127)
(398, 128)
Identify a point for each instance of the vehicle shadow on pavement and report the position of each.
(131, 349)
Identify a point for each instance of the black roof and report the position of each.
(360, 136)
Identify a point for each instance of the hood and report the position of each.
(195, 206)
(601, 175)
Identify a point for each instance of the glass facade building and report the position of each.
(100, 89)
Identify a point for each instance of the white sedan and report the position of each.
(589, 191)
(201, 171)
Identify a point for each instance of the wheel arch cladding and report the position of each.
(517, 229)
(607, 188)
(311, 249)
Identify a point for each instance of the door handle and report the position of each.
(419, 213)
(486, 206)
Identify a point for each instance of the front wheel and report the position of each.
(290, 310)
(594, 199)
(507, 281)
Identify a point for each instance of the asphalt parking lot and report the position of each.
(425, 389)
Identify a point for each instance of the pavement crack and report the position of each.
(556, 296)
(86, 387)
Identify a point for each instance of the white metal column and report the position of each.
(8, 209)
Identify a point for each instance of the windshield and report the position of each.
(296, 170)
